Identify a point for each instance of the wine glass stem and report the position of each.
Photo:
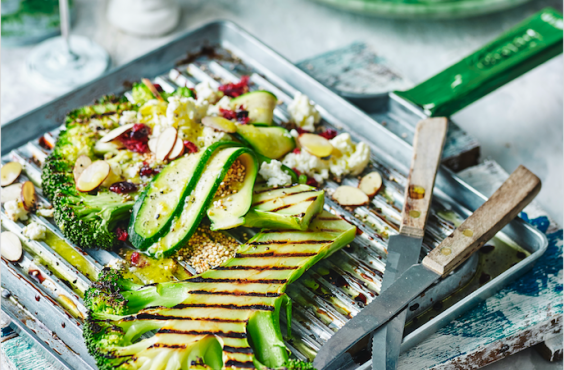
(65, 26)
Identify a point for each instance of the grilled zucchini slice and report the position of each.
(290, 207)
(163, 198)
(260, 104)
(200, 196)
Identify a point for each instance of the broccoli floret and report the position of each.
(90, 220)
(298, 365)
(87, 220)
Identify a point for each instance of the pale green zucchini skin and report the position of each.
(272, 142)
(288, 207)
(260, 104)
(165, 195)
(232, 209)
(199, 197)
(238, 302)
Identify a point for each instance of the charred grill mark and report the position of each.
(268, 242)
(162, 345)
(310, 199)
(259, 268)
(328, 219)
(149, 316)
(258, 307)
(281, 208)
(275, 255)
(234, 363)
(271, 189)
(239, 293)
(200, 279)
(284, 196)
(229, 334)
(229, 349)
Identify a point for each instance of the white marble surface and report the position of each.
(521, 123)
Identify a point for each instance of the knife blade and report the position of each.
(404, 249)
(504, 205)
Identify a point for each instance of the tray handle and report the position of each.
(522, 48)
(502, 207)
(427, 148)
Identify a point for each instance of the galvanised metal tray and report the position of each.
(47, 286)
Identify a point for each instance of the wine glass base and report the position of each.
(51, 68)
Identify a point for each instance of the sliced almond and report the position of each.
(220, 124)
(80, 165)
(29, 199)
(116, 132)
(177, 150)
(113, 177)
(166, 142)
(153, 144)
(10, 172)
(316, 145)
(12, 192)
(350, 196)
(93, 176)
(11, 246)
(371, 183)
(152, 87)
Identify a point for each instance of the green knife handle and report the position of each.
(522, 48)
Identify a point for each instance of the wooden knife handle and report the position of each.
(502, 207)
(427, 148)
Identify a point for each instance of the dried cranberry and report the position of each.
(140, 131)
(297, 151)
(311, 182)
(147, 171)
(302, 131)
(158, 87)
(296, 171)
(123, 187)
(137, 138)
(121, 234)
(237, 88)
(228, 113)
(134, 258)
(190, 146)
(243, 116)
(329, 134)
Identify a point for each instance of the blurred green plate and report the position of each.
(428, 9)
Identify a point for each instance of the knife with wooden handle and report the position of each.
(404, 249)
(504, 205)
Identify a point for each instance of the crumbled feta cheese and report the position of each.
(273, 174)
(116, 264)
(308, 164)
(128, 116)
(183, 111)
(303, 112)
(34, 231)
(15, 210)
(96, 125)
(348, 158)
(223, 103)
(204, 92)
(294, 133)
(210, 136)
(45, 212)
(132, 171)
